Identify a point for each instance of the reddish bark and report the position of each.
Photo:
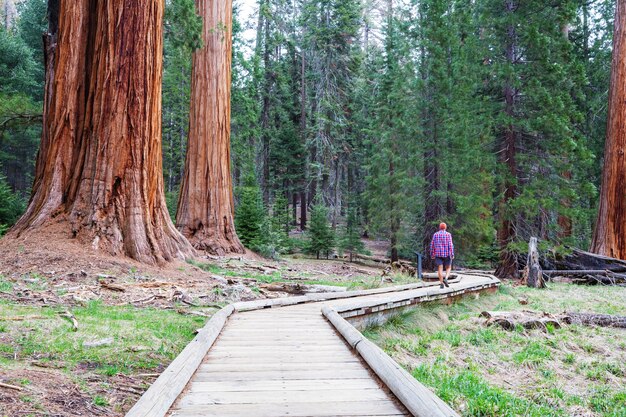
(205, 207)
(609, 236)
(65, 48)
(565, 221)
(508, 266)
(100, 159)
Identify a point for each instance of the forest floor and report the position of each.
(487, 371)
(132, 319)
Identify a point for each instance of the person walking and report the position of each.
(442, 251)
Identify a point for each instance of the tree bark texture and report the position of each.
(508, 266)
(65, 49)
(206, 207)
(609, 236)
(100, 160)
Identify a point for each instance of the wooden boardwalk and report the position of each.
(284, 362)
(291, 361)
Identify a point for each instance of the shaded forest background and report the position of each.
(384, 117)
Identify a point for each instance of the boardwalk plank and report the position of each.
(309, 409)
(281, 397)
(202, 375)
(278, 385)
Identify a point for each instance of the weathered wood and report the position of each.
(281, 386)
(508, 320)
(307, 409)
(413, 395)
(158, 399)
(296, 288)
(574, 272)
(604, 320)
(533, 275)
(349, 333)
(276, 366)
(282, 375)
(274, 370)
(270, 397)
(581, 260)
(9, 386)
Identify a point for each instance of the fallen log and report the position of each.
(608, 279)
(296, 288)
(9, 386)
(111, 286)
(509, 320)
(582, 260)
(591, 319)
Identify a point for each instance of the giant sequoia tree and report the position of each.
(609, 236)
(205, 207)
(99, 167)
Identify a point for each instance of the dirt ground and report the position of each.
(44, 271)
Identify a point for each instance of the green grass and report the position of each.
(100, 401)
(487, 371)
(5, 285)
(143, 338)
(467, 390)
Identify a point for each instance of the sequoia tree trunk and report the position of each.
(65, 49)
(205, 207)
(100, 165)
(609, 236)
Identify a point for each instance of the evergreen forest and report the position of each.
(389, 116)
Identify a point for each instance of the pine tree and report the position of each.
(320, 235)
(11, 206)
(250, 215)
(350, 240)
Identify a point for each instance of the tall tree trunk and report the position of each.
(508, 265)
(303, 135)
(100, 159)
(303, 210)
(206, 207)
(65, 49)
(609, 236)
(265, 116)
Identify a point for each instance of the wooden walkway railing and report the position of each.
(301, 360)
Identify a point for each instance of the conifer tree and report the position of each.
(250, 215)
(321, 237)
(350, 239)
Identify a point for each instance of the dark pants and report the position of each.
(443, 261)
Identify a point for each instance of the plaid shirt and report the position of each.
(441, 246)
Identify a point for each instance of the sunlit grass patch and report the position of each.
(488, 371)
(132, 338)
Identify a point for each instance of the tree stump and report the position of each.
(533, 275)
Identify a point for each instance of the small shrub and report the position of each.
(100, 401)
